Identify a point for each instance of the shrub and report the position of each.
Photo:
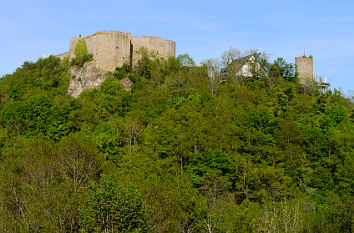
(82, 55)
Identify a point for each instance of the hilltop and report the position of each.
(187, 149)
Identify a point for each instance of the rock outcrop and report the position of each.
(88, 76)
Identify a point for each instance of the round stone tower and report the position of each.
(304, 68)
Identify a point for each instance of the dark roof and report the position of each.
(241, 62)
(244, 59)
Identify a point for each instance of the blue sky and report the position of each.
(203, 29)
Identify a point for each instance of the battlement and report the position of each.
(111, 49)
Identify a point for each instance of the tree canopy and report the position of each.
(188, 149)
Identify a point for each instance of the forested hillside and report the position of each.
(185, 150)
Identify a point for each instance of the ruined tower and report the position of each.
(111, 49)
(304, 68)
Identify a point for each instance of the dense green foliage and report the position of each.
(181, 152)
(111, 207)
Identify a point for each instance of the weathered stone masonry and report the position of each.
(112, 49)
(304, 67)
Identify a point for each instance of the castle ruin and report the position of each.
(304, 68)
(111, 49)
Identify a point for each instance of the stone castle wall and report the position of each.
(304, 68)
(165, 48)
(111, 49)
